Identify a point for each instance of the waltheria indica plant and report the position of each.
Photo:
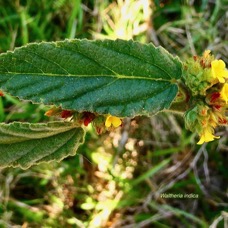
(101, 82)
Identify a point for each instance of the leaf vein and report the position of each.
(136, 57)
(91, 59)
(48, 60)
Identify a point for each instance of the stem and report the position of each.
(178, 107)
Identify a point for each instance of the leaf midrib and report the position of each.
(78, 52)
(118, 76)
(113, 50)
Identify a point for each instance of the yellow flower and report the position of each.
(207, 136)
(113, 120)
(206, 53)
(219, 70)
(224, 92)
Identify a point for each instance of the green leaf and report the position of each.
(123, 78)
(24, 144)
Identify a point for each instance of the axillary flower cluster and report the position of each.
(101, 123)
(206, 78)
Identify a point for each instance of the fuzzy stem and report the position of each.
(178, 107)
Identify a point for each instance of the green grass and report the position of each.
(117, 179)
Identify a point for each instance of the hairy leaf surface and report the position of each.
(123, 78)
(24, 144)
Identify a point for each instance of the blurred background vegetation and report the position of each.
(116, 179)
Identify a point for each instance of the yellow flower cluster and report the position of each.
(206, 77)
(208, 123)
(219, 72)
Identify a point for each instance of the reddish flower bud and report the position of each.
(99, 130)
(202, 63)
(204, 123)
(66, 113)
(49, 113)
(222, 121)
(1, 94)
(88, 118)
(53, 112)
(217, 106)
(195, 57)
(203, 112)
(214, 96)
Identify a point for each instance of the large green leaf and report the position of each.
(24, 144)
(123, 78)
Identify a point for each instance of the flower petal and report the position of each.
(116, 121)
(224, 93)
(219, 70)
(108, 122)
(113, 120)
(207, 136)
